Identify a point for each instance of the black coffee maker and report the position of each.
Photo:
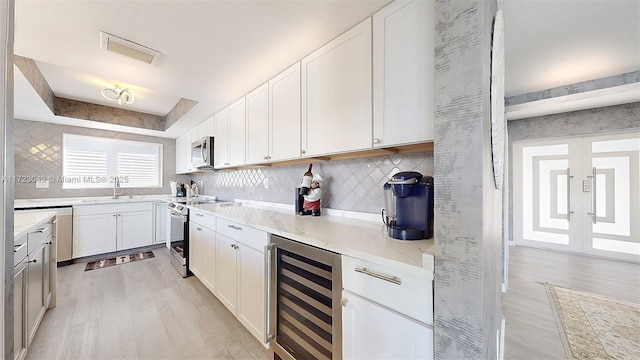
(408, 211)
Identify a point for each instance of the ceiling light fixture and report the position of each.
(122, 96)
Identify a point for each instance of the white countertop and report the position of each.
(96, 200)
(25, 222)
(362, 239)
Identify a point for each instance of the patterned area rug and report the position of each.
(596, 327)
(122, 259)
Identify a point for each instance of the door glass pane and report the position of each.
(617, 200)
(544, 195)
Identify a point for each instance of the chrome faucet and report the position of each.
(116, 184)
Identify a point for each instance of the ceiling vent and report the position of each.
(128, 48)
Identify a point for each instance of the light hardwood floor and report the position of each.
(139, 310)
(145, 310)
(531, 331)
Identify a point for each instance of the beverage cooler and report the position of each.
(304, 311)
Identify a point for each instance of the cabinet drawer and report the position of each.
(39, 236)
(408, 294)
(247, 235)
(112, 208)
(203, 218)
(20, 250)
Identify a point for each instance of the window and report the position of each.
(95, 163)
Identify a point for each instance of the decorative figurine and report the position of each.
(311, 205)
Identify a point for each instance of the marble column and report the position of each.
(468, 208)
(6, 165)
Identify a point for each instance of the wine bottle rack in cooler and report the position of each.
(306, 291)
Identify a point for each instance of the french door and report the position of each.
(579, 195)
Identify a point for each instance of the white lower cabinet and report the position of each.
(251, 290)
(161, 228)
(20, 310)
(387, 313)
(99, 229)
(135, 229)
(32, 295)
(371, 331)
(227, 270)
(241, 274)
(202, 249)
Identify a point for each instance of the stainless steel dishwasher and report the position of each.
(304, 311)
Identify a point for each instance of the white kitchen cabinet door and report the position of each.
(403, 73)
(20, 284)
(336, 94)
(94, 234)
(210, 126)
(36, 306)
(180, 156)
(221, 142)
(258, 125)
(284, 114)
(251, 291)
(370, 331)
(161, 228)
(237, 133)
(183, 154)
(135, 229)
(208, 259)
(226, 255)
(195, 249)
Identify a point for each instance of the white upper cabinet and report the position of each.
(220, 144)
(284, 113)
(336, 94)
(258, 125)
(183, 154)
(237, 130)
(229, 144)
(403, 73)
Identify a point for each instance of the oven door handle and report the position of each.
(178, 217)
(270, 285)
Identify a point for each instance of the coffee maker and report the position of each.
(408, 211)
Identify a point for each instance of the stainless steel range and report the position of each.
(179, 231)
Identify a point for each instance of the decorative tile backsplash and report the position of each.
(354, 185)
(38, 152)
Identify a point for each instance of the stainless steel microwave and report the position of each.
(202, 153)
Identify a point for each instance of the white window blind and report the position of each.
(90, 162)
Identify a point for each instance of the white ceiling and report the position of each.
(214, 52)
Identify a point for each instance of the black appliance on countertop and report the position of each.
(408, 211)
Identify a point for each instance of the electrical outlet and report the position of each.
(266, 183)
(42, 184)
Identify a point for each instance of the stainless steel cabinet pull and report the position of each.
(47, 243)
(199, 215)
(40, 230)
(33, 261)
(376, 141)
(593, 212)
(54, 221)
(234, 227)
(199, 229)
(17, 248)
(269, 285)
(392, 279)
(569, 177)
(234, 246)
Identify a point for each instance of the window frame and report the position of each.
(113, 148)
